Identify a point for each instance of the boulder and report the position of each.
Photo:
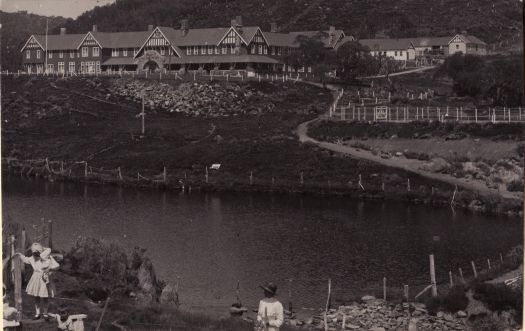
(436, 165)
(147, 282)
(169, 296)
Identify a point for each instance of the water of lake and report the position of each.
(213, 240)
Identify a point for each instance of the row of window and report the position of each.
(61, 54)
(225, 49)
(396, 53)
(85, 67)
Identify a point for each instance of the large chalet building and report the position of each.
(158, 48)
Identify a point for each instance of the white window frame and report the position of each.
(253, 49)
(163, 51)
(61, 67)
(61, 54)
(260, 49)
(210, 50)
(96, 51)
(71, 54)
(97, 67)
(114, 52)
(50, 67)
(272, 50)
(188, 50)
(170, 51)
(265, 49)
(224, 49)
(203, 50)
(232, 49)
(217, 50)
(71, 67)
(195, 50)
(38, 54)
(125, 52)
(279, 51)
(28, 54)
(50, 55)
(85, 52)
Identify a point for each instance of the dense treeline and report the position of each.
(16, 29)
(497, 79)
(494, 21)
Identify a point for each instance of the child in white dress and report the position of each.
(38, 286)
(270, 315)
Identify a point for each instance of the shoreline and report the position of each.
(440, 198)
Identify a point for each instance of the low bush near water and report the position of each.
(499, 297)
(451, 302)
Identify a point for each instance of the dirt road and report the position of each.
(411, 165)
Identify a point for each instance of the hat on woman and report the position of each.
(270, 288)
(36, 247)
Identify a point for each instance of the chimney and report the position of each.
(95, 29)
(150, 27)
(62, 31)
(238, 20)
(274, 27)
(184, 26)
(233, 23)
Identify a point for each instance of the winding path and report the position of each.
(411, 165)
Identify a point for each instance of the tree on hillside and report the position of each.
(354, 60)
(497, 80)
(312, 53)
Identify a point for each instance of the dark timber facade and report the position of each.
(236, 47)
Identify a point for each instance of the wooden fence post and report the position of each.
(85, 169)
(119, 173)
(488, 263)
(450, 278)
(290, 306)
(50, 234)
(327, 304)
(461, 275)
(433, 276)
(206, 174)
(384, 288)
(501, 258)
(17, 276)
(251, 177)
(474, 269)
(302, 179)
(165, 175)
(408, 184)
(405, 292)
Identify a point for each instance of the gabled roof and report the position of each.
(430, 41)
(195, 37)
(249, 32)
(57, 42)
(344, 41)
(121, 39)
(28, 39)
(468, 39)
(279, 39)
(387, 44)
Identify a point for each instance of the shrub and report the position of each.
(499, 297)
(515, 186)
(451, 302)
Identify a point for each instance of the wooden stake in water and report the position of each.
(85, 169)
(450, 278)
(501, 258)
(143, 116)
(461, 275)
(474, 269)
(302, 179)
(433, 276)
(251, 177)
(488, 263)
(290, 306)
(206, 174)
(327, 305)
(384, 288)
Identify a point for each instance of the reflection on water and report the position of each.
(211, 241)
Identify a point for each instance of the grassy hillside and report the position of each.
(495, 21)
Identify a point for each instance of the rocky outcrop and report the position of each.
(375, 314)
(195, 99)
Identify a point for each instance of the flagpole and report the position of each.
(45, 60)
